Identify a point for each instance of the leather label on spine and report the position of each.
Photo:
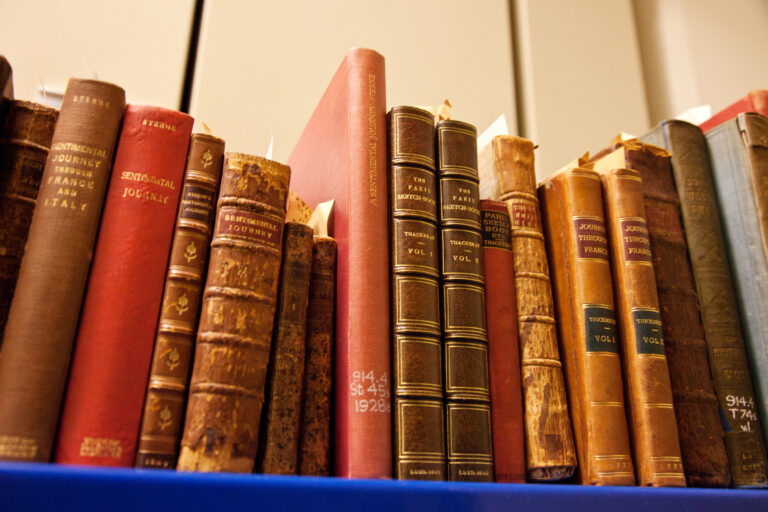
(413, 192)
(496, 230)
(459, 202)
(600, 329)
(415, 246)
(197, 203)
(634, 235)
(648, 332)
(462, 254)
(591, 240)
(524, 215)
(236, 222)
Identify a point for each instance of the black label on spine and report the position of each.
(648, 332)
(600, 329)
(496, 229)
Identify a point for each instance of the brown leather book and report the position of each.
(652, 422)
(469, 449)
(574, 225)
(550, 452)
(719, 311)
(285, 381)
(226, 390)
(503, 345)
(44, 313)
(315, 429)
(419, 434)
(698, 420)
(25, 138)
(6, 81)
(160, 432)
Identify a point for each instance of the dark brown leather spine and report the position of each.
(698, 420)
(572, 207)
(465, 339)
(285, 381)
(550, 452)
(226, 390)
(25, 138)
(45, 309)
(315, 430)
(417, 364)
(160, 432)
(719, 312)
(652, 417)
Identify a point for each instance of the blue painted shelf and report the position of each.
(56, 487)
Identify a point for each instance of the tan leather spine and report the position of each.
(42, 321)
(550, 451)
(315, 430)
(233, 341)
(419, 434)
(572, 207)
(165, 402)
(285, 381)
(648, 389)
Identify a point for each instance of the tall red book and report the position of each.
(108, 378)
(342, 154)
(755, 101)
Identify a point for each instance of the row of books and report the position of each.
(112, 291)
(482, 371)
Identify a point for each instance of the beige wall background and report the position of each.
(575, 73)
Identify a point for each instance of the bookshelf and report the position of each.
(63, 488)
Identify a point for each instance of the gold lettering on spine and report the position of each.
(373, 139)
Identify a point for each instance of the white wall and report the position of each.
(263, 66)
(699, 52)
(140, 45)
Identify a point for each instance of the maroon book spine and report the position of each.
(113, 349)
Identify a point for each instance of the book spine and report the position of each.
(44, 312)
(652, 417)
(226, 389)
(102, 408)
(719, 313)
(469, 449)
(503, 345)
(315, 429)
(419, 434)
(285, 380)
(754, 101)
(739, 170)
(25, 138)
(550, 452)
(363, 438)
(698, 420)
(160, 431)
(572, 207)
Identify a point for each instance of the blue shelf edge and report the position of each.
(26, 486)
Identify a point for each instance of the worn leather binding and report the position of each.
(719, 313)
(25, 138)
(550, 453)
(285, 381)
(342, 154)
(160, 431)
(577, 243)
(419, 434)
(226, 389)
(315, 429)
(469, 449)
(652, 422)
(45, 309)
(503, 344)
(698, 420)
(739, 155)
(107, 381)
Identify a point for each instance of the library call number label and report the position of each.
(370, 392)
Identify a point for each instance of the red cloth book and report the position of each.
(342, 155)
(755, 101)
(503, 344)
(108, 378)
